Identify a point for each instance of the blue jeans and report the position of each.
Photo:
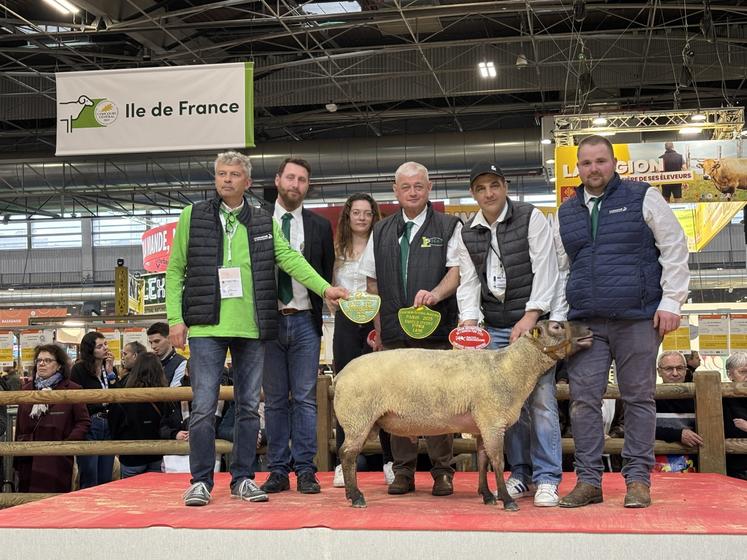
(291, 367)
(96, 469)
(208, 356)
(533, 446)
(128, 471)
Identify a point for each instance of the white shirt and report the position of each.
(348, 274)
(368, 260)
(669, 240)
(541, 254)
(300, 292)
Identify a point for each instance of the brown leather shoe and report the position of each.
(442, 485)
(582, 495)
(401, 485)
(638, 495)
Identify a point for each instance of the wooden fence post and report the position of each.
(323, 422)
(709, 420)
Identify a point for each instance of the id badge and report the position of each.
(230, 282)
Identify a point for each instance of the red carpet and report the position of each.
(683, 504)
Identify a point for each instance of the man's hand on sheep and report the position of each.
(334, 294)
(525, 324)
(468, 323)
(665, 322)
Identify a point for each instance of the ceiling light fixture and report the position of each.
(599, 121)
(698, 117)
(545, 141)
(487, 69)
(63, 6)
(607, 133)
(521, 61)
(550, 161)
(331, 107)
(691, 130)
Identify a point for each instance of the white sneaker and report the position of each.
(197, 495)
(388, 473)
(339, 480)
(546, 495)
(517, 489)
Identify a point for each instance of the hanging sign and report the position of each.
(713, 334)
(418, 322)
(678, 339)
(361, 307)
(114, 343)
(6, 348)
(469, 338)
(30, 340)
(738, 333)
(162, 109)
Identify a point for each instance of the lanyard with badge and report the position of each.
(229, 276)
(497, 275)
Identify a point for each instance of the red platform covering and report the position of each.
(682, 504)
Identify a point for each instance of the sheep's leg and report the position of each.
(483, 488)
(349, 451)
(494, 449)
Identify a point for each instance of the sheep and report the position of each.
(412, 392)
(71, 110)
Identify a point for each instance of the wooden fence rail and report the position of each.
(707, 391)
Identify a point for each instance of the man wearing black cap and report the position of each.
(509, 271)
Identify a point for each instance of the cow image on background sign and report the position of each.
(728, 174)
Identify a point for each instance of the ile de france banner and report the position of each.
(168, 109)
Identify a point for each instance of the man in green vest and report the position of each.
(221, 290)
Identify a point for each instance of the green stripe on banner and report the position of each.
(249, 104)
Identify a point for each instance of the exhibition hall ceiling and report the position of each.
(362, 72)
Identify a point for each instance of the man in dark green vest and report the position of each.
(411, 260)
(220, 284)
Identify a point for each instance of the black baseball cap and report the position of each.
(483, 168)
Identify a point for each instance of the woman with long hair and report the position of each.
(357, 219)
(139, 421)
(49, 422)
(95, 370)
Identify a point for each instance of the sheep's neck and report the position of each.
(521, 355)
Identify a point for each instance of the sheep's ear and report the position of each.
(535, 332)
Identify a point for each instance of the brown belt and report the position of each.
(291, 311)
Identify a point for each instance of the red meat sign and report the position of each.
(469, 338)
(157, 247)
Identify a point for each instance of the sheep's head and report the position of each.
(560, 339)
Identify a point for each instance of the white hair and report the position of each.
(410, 169)
(671, 353)
(736, 360)
(234, 158)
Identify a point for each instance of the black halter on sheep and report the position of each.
(414, 392)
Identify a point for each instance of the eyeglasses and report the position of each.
(359, 213)
(670, 369)
(45, 361)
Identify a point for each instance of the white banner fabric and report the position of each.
(206, 107)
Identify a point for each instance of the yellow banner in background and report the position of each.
(679, 339)
(703, 222)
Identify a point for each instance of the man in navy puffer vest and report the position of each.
(624, 257)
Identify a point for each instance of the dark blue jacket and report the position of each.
(617, 275)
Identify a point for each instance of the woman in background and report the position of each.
(95, 370)
(139, 421)
(49, 422)
(358, 216)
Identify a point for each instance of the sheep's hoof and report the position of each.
(510, 506)
(359, 502)
(489, 499)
